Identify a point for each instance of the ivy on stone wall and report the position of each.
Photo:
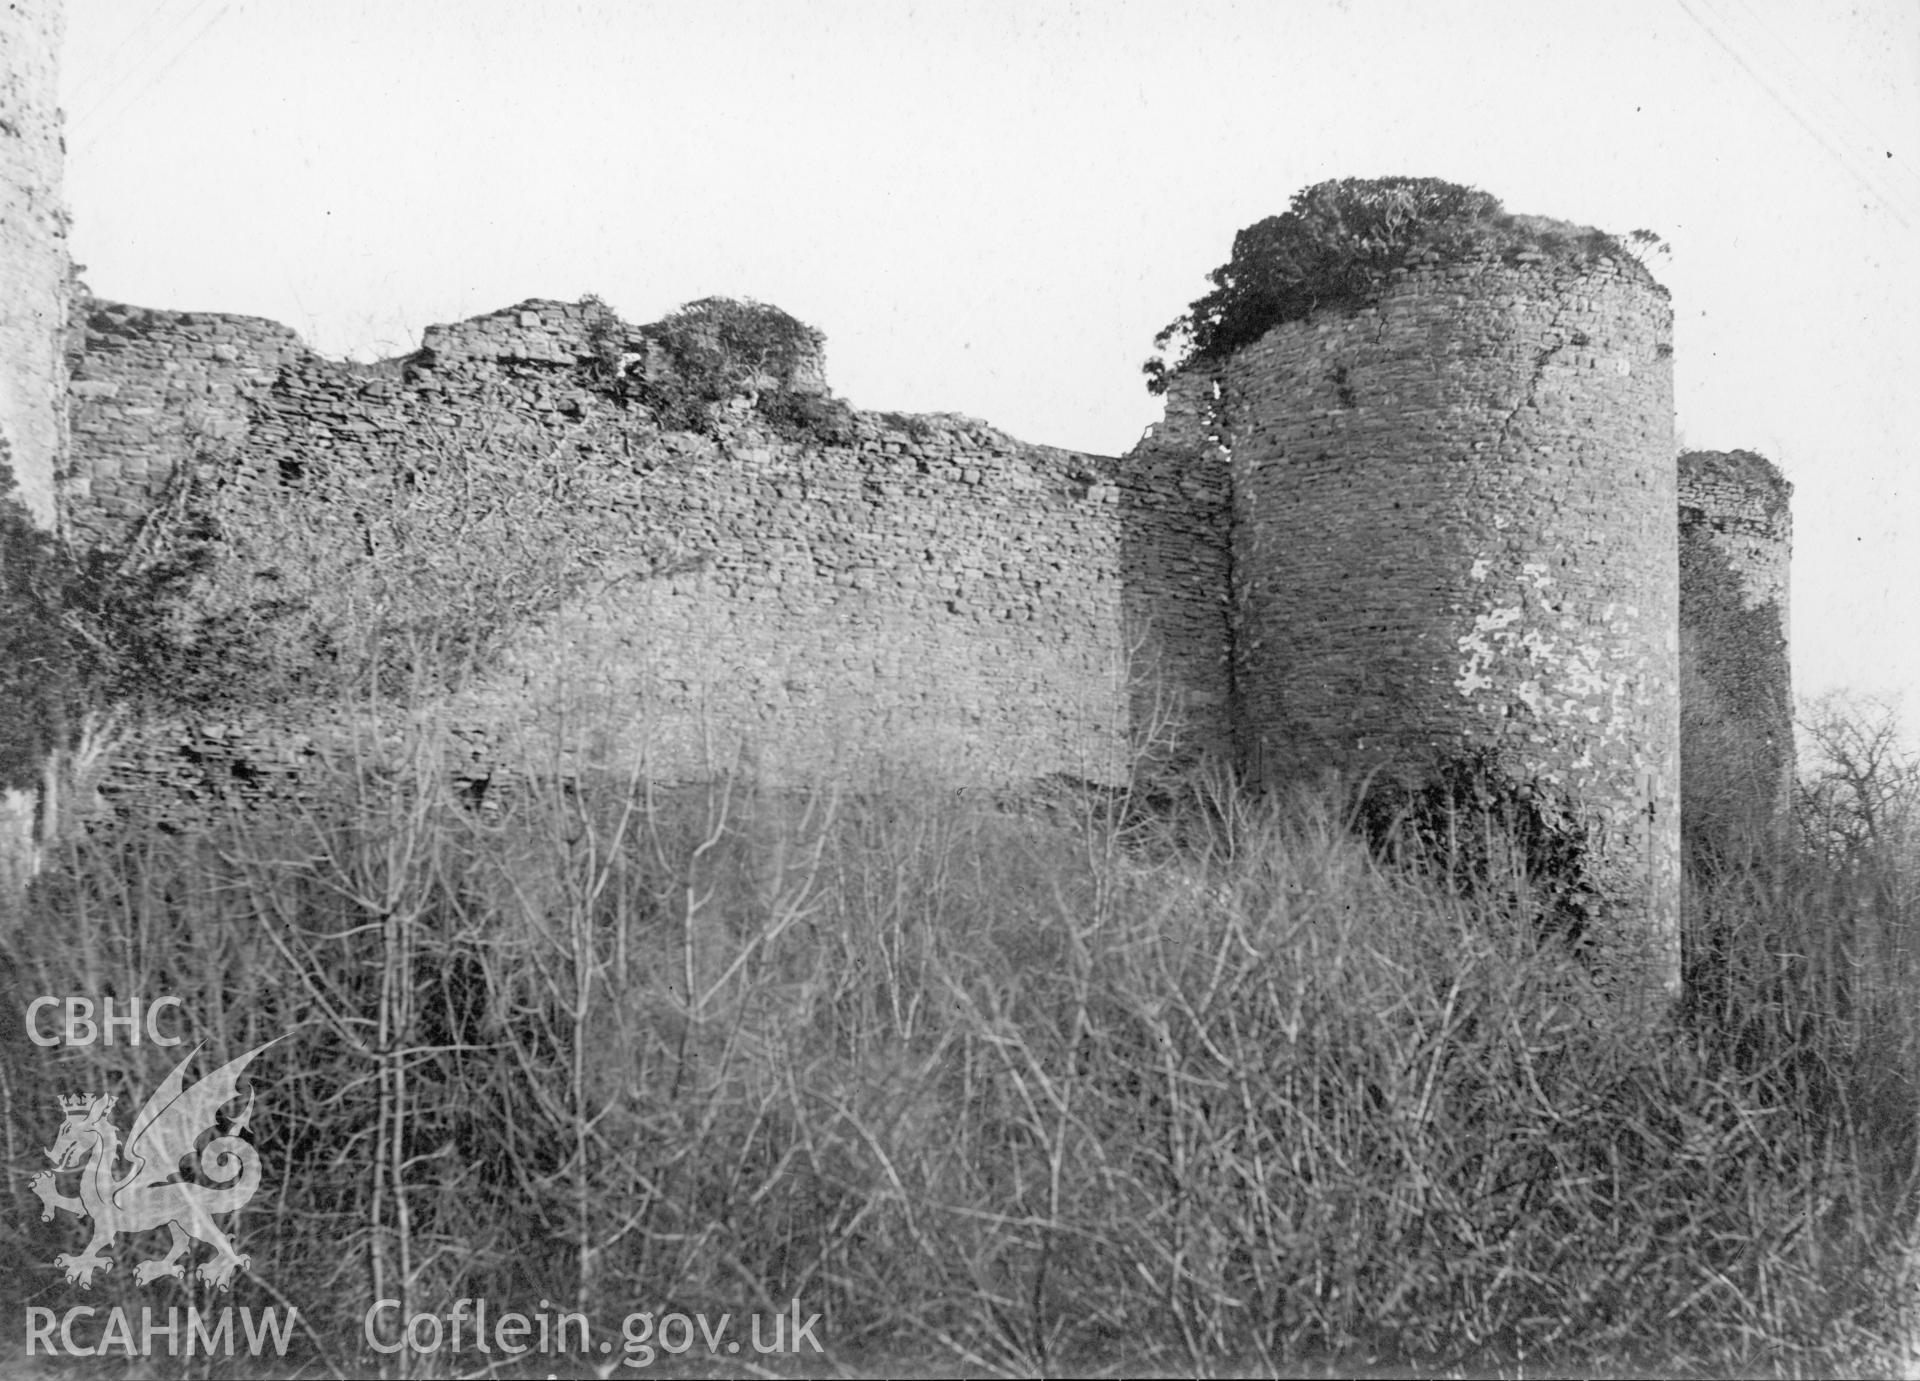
(36, 683)
(103, 626)
(1478, 828)
(240, 593)
(1337, 244)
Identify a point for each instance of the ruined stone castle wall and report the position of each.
(1736, 539)
(943, 599)
(1454, 531)
(1377, 540)
(149, 389)
(920, 590)
(33, 251)
(1176, 522)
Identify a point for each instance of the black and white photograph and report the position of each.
(1002, 688)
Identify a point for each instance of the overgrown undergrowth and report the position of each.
(983, 1093)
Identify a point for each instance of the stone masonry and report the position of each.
(1454, 534)
(925, 589)
(1736, 539)
(33, 251)
(146, 390)
(1375, 541)
(1176, 512)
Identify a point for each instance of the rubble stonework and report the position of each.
(148, 389)
(1176, 512)
(1454, 536)
(34, 269)
(926, 589)
(1433, 528)
(1736, 540)
(1379, 539)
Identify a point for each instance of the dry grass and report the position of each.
(1207, 1090)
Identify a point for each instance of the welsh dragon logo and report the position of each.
(152, 1193)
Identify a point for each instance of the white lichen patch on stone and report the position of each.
(1523, 654)
(1482, 646)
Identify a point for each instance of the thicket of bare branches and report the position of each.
(1197, 1087)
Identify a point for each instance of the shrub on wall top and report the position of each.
(720, 348)
(1336, 244)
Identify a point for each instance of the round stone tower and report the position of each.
(1736, 692)
(1454, 544)
(33, 252)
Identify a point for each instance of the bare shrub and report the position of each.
(1201, 1087)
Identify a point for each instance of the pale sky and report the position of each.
(990, 207)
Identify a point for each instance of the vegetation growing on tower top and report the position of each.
(1336, 245)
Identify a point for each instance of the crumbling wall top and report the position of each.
(538, 329)
(1714, 478)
